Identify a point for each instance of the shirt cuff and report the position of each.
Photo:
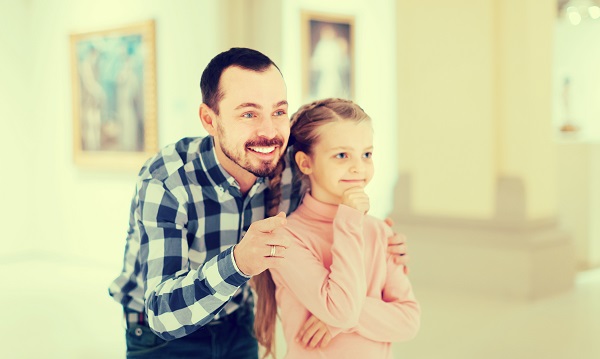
(222, 275)
(235, 265)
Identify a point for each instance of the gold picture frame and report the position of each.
(114, 96)
(327, 56)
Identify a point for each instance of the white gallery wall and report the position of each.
(576, 57)
(55, 207)
(17, 143)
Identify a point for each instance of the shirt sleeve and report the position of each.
(335, 295)
(178, 299)
(394, 317)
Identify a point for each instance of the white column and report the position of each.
(477, 193)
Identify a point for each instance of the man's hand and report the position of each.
(397, 247)
(314, 334)
(356, 198)
(259, 249)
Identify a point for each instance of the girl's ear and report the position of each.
(303, 162)
(208, 118)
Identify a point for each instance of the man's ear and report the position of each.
(303, 162)
(208, 118)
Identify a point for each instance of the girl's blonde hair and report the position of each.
(303, 136)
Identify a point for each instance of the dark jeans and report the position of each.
(230, 339)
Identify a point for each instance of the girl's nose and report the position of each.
(357, 166)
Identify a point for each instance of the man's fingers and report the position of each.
(389, 221)
(397, 249)
(397, 238)
(275, 251)
(401, 260)
(268, 225)
(252, 252)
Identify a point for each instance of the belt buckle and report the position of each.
(215, 322)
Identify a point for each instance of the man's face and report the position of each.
(253, 125)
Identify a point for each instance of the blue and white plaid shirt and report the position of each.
(186, 215)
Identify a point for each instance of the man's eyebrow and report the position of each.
(249, 104)
(259, 107)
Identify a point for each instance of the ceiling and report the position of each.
(562, 3)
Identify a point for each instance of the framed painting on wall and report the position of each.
(114, 96)
(327, 56)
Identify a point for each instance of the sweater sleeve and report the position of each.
(335, 295)
(394, 317)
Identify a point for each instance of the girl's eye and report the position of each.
(368, 154)
(341, 155)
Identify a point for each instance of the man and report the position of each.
(197, 229)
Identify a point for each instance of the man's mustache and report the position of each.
(263, 142)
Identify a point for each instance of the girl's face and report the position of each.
(341, 159)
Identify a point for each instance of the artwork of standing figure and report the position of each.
(328, 60)
(114, 99)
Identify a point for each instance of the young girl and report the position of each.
(338, 293)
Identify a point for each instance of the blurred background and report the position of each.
(487, 132)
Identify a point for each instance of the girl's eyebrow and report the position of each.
(347, 148)
(340, 148)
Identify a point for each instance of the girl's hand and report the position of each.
(356, 198)
(314, 334)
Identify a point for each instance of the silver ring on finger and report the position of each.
(273, 248)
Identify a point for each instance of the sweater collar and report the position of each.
(319, 210)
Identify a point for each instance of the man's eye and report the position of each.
(368, 155)
(341, 155)
(248, 115)
(279, 113)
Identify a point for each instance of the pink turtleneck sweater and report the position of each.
(338, 269)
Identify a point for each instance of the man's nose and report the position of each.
(267, 128)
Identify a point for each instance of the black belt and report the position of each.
(133, 317)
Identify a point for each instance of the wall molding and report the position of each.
(507, 255)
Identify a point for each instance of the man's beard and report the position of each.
(265, 168)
